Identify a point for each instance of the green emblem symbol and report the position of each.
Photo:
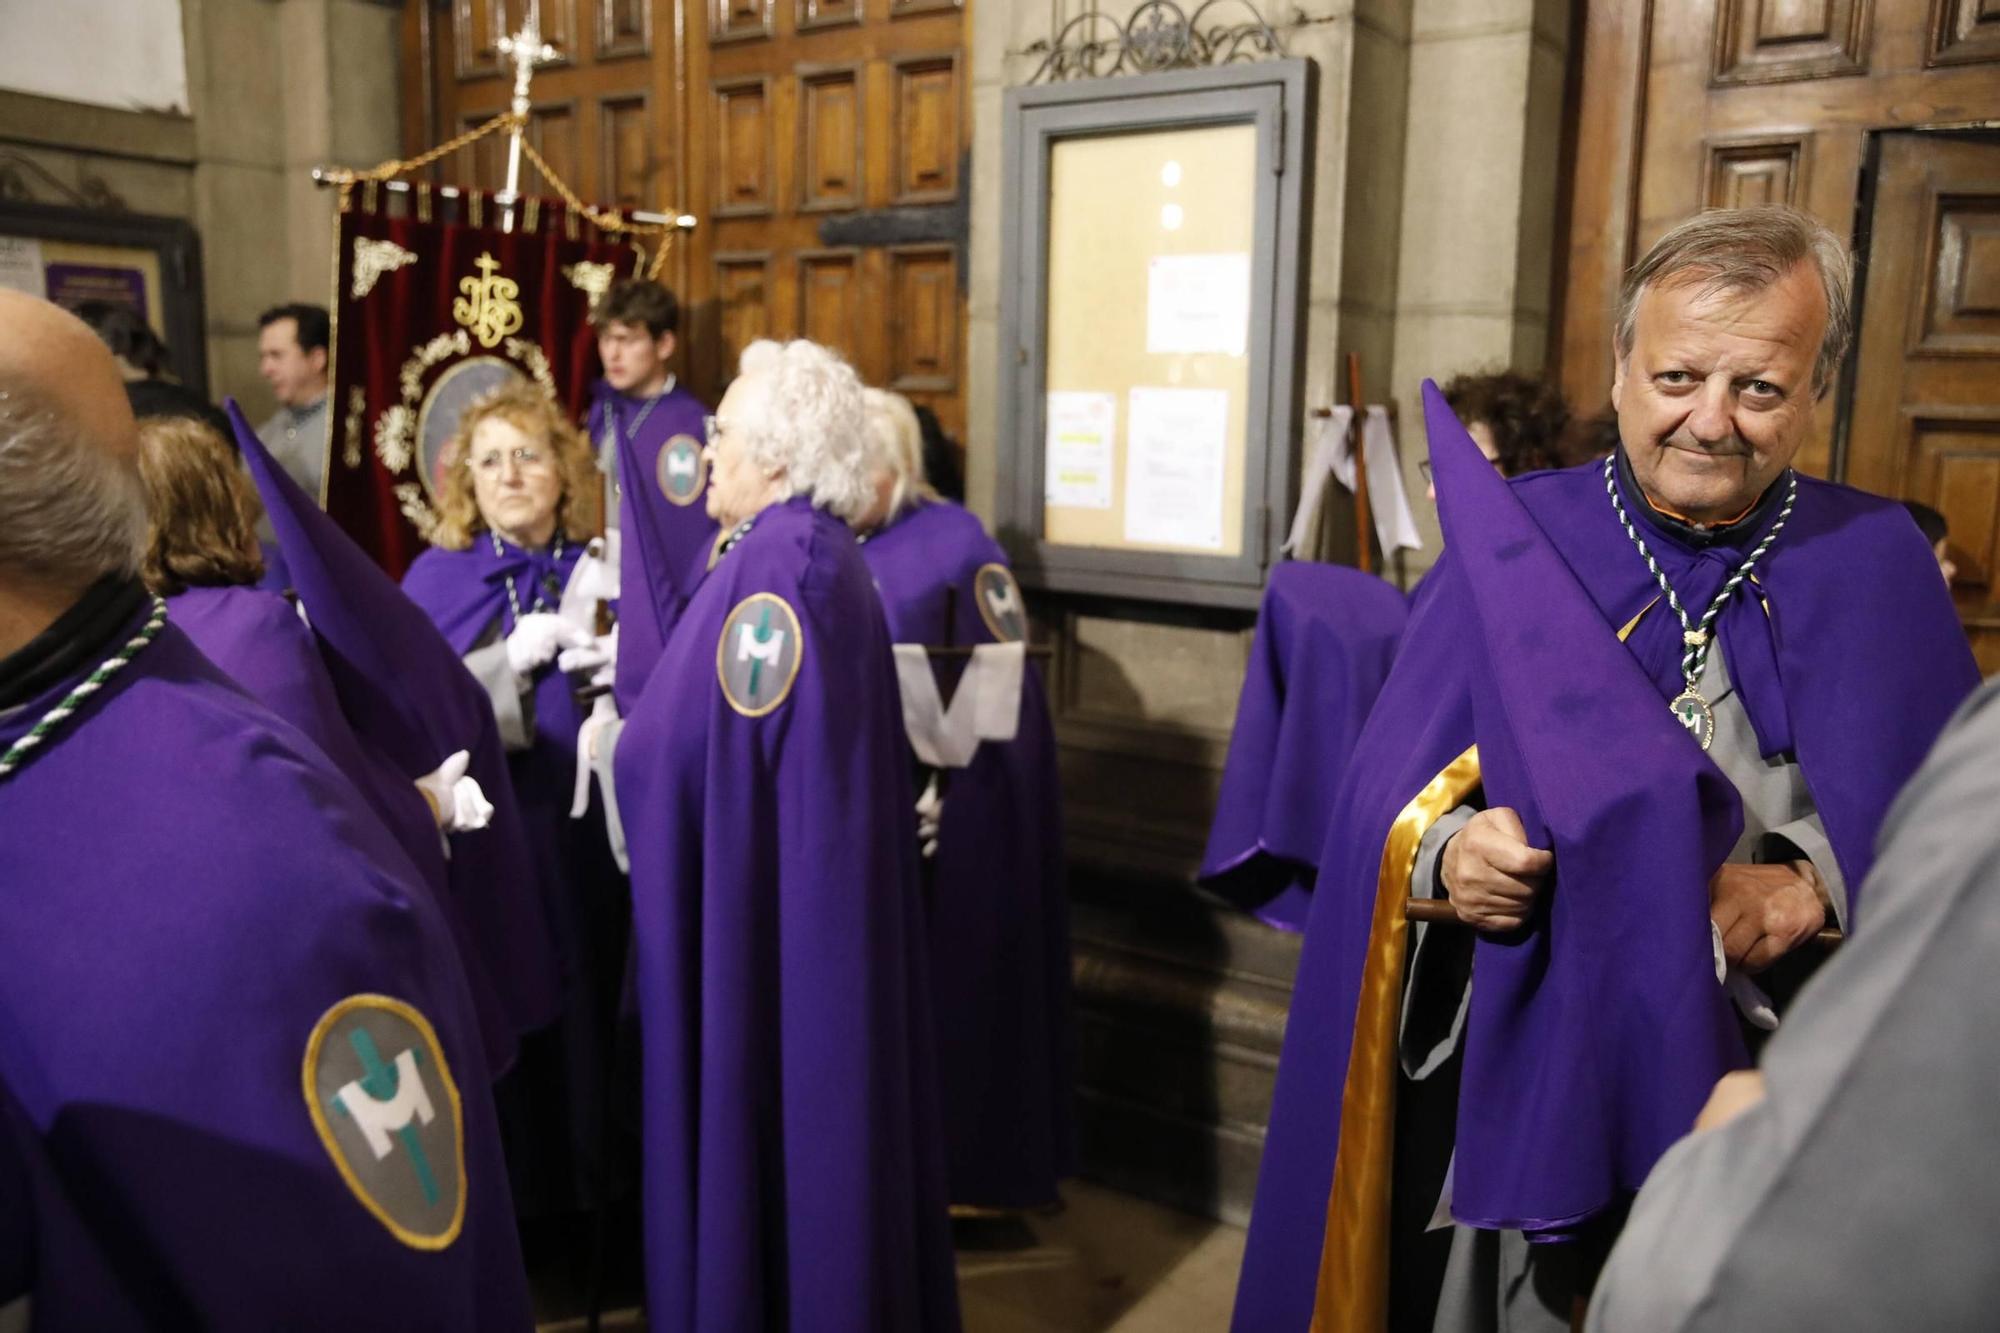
(757, 657)
(682, 470)
(1000, 604)
(387, 1111)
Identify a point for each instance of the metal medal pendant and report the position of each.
(1692, 711)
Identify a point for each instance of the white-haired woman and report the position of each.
(793, 1170)
(997, 920)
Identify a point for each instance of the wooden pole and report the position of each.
(1364, 535)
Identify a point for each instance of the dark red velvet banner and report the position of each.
(430, 314)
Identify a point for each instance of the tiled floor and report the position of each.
(1108, 1263)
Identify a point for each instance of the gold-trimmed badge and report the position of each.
(681, 470)
(1000, 604)
(382, 1098)
(757, 659)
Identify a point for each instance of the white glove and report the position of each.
(602, 714)
(598, 653)
(454, 797)
(537, 639)
(930, 814)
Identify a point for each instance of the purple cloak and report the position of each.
(664, 529)
(557, 1112)
(405, 692)
(1574, 1020)
(996, 913)
(1326, 635)
(192, 892)
(794, 1174)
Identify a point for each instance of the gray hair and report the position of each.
(71, 511)
(814, 425)
(896, 446)
(1745, 250)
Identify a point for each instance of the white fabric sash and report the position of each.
(987, 705)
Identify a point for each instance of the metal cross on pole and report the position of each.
(527, 50)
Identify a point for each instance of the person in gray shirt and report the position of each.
(292, 358)
(1848, 1184)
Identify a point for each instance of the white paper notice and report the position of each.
(1175, 447)
(21, 265)
(1198, 303)
(1082, 427)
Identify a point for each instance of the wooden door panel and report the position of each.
(1767, 41)
(745, 148)
(923, 329)
(830, 137)
(626, 161)
(829, 283)
(927, 99)
(1743, 173)
(478, 26)
(623, 28)
(740, 20)
(1965, 32)
(810, 14)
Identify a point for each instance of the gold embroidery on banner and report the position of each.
(531, 214)
(410, 499)
(490, 308)
(1353, 1291)
(357, 412)
(593, 280)
(374, 258)
(530, 355)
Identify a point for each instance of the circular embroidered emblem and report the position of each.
(1000, 604)
(682, 470)
(757, 658)
(384, 1103)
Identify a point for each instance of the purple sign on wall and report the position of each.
(70, 285)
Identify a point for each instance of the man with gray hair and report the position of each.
(1769, 658)
(240, 1080)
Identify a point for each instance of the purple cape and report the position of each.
(405, 693)
(997, 918)
(665, 532)
(794, 1175)
(1325, 638)
(558, 1104)
(190, 888)
(1856, 676)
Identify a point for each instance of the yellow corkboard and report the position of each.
(1133, 219)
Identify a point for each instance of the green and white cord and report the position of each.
(22, 750)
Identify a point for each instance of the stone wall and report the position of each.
(275, 87)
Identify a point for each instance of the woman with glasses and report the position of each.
(992, 835)
(793, 1169)
(514, 516)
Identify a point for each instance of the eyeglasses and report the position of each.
(525, 459)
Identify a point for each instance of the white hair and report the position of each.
(896, 446)
(71, 511)
(814, 427)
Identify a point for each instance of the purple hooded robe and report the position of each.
(1596, 1032)
(794, 1174)
(192, 893)
(665, 532)
(556, 1110)
(996, 915)
(1326, 635)
(405, 692)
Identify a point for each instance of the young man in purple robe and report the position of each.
(1621, 878)
(241, 1085)
(991, 829)
(649, 437)
(513, 520)
(794, 1174)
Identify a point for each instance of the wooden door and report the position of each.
(826, 149)
(820, 144)
(1703, 103)
(1926, 417)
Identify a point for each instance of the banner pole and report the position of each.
(526, 49)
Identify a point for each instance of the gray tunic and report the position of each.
(1496, 1280)
(1863, 1193)
(296, 437)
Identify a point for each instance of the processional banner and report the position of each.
(437, 303)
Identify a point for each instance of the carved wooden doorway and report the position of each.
(821, 144)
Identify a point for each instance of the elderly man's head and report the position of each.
(71, 507)
(1729, 330)
(791, 423)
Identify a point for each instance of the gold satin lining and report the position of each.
(1353, 1295)
(1633, 623)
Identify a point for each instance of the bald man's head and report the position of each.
(71, 507)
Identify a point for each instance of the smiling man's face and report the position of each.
(1715, 394)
